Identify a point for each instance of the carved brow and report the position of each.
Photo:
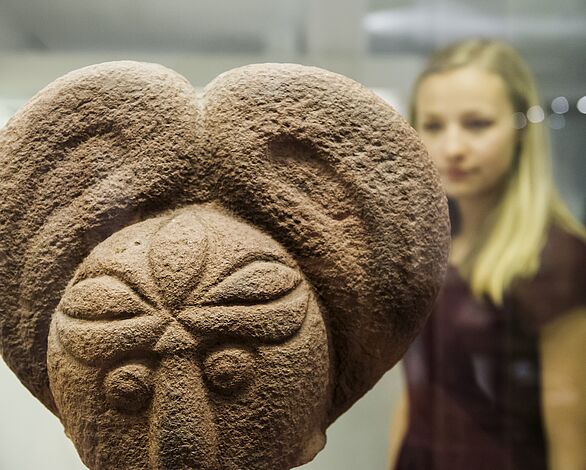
(103, 341)
(276, 314)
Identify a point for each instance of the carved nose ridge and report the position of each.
(182, 429)
(174, 340)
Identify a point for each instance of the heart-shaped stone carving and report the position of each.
(313, 161)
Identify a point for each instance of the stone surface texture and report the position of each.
(209, 281)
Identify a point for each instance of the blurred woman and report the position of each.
(497, 379)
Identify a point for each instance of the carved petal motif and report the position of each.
(102, 298)
(256, 282)
(177, 257)
(247, 293)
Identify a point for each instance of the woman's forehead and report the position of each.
(466, 89)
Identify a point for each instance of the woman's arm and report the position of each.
(398, 427)
(563, 362)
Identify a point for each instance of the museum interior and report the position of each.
(383, 44)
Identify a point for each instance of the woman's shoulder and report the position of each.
(560, 283)
(563, 251)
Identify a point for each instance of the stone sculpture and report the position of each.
(209, 281)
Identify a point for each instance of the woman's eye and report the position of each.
(478, 124)
(229, 370)
(432, 126)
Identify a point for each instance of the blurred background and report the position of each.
(380, 43)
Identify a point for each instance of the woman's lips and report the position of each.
(456, 174)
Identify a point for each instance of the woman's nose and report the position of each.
(182, 433)
(454, 144)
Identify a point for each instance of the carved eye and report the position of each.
(260, 281)
(229, 370)
(129, 388)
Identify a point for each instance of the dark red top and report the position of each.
(473, 374)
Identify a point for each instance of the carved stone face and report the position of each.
(190, 340)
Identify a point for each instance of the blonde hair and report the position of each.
(530, 203)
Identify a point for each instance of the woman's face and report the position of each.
(465, 119)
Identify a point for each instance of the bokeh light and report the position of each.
(519, 120)
(560, 105)
(535, 114)
(581, 105)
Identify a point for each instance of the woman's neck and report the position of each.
(473, 214)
